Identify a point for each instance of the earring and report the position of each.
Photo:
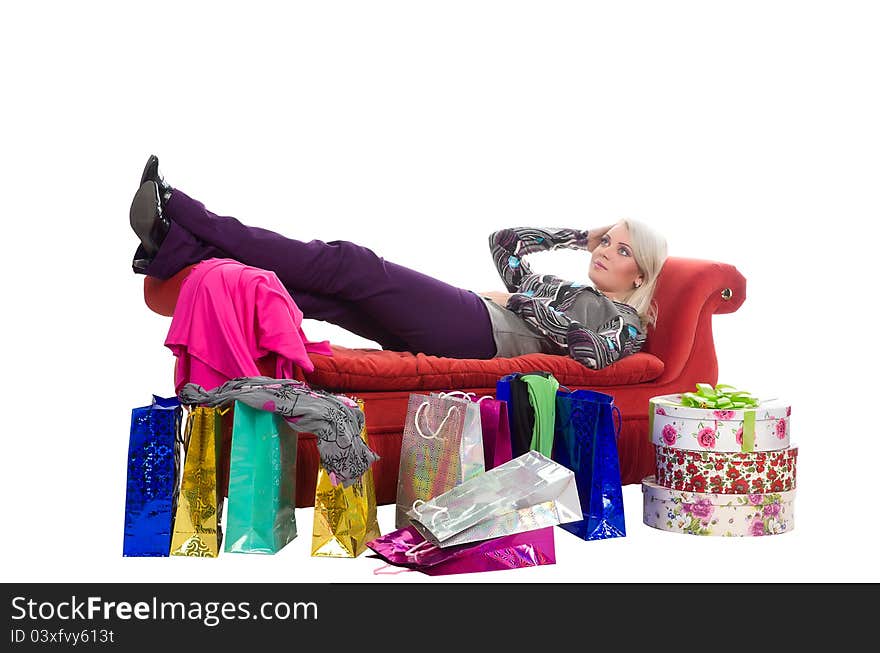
(637, 284)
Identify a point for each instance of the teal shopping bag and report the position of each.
(262, 482)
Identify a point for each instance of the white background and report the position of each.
(746, 132)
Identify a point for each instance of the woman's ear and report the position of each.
(639, 281)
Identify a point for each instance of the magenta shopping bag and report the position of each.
(406, 548)
(496, 432)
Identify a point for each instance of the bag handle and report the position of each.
(380, 571)
(186, 431)
(616, 410)
(458, 393)
(416, 550)
(440, 511)
(467, 395)
(433, 435)
(181, 422)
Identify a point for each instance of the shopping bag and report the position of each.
(531, 407)
(586, 443)
(495, 426)
(470, 452)
(407, 548)
(197, 529)
(345, 517)
(436, 451)
(542, 389)
(520, 414)
(225, 453)
(262, 482)
(524, 494)
(153, 478)
(496, 431)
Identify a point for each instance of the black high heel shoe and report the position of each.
(140, 261)
(147, 220)
(151, 173)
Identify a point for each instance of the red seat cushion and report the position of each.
(378, 370)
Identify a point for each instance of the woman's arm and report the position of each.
(509, 246)
(596, 349)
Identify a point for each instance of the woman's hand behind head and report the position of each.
(595, 235)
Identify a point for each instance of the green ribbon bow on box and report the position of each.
(721, 397)
(726, 397)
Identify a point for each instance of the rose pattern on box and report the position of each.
(703, 429)
(726, 473)
(726, 515)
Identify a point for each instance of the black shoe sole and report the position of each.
(144, 215)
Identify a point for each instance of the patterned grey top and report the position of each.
(569, 318)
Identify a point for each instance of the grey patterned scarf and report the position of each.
(335, 420)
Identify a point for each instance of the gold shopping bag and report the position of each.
(345, 518)
(197, 530)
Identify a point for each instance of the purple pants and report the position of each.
(337, 282)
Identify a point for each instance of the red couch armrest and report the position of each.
(161, 294)
(689, 292)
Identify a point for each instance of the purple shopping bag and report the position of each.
(408, 549)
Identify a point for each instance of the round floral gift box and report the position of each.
(763, 428)
(726, 472)
(727, 515)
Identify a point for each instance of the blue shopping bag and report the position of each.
(153, 478)
(585, 441)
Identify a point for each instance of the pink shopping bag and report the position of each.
(407, 549)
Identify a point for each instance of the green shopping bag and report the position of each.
(262, 482)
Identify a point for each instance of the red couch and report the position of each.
(678, 353)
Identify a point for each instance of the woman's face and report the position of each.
(613, 268)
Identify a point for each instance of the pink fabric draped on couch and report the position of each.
(230, 316)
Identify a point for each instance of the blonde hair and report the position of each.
(649, 251)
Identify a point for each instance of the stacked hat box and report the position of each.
(720, 472)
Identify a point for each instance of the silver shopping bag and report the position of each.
(524, 494)
(442, 445)
(470, 449)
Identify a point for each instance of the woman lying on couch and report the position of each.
(404, 310)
